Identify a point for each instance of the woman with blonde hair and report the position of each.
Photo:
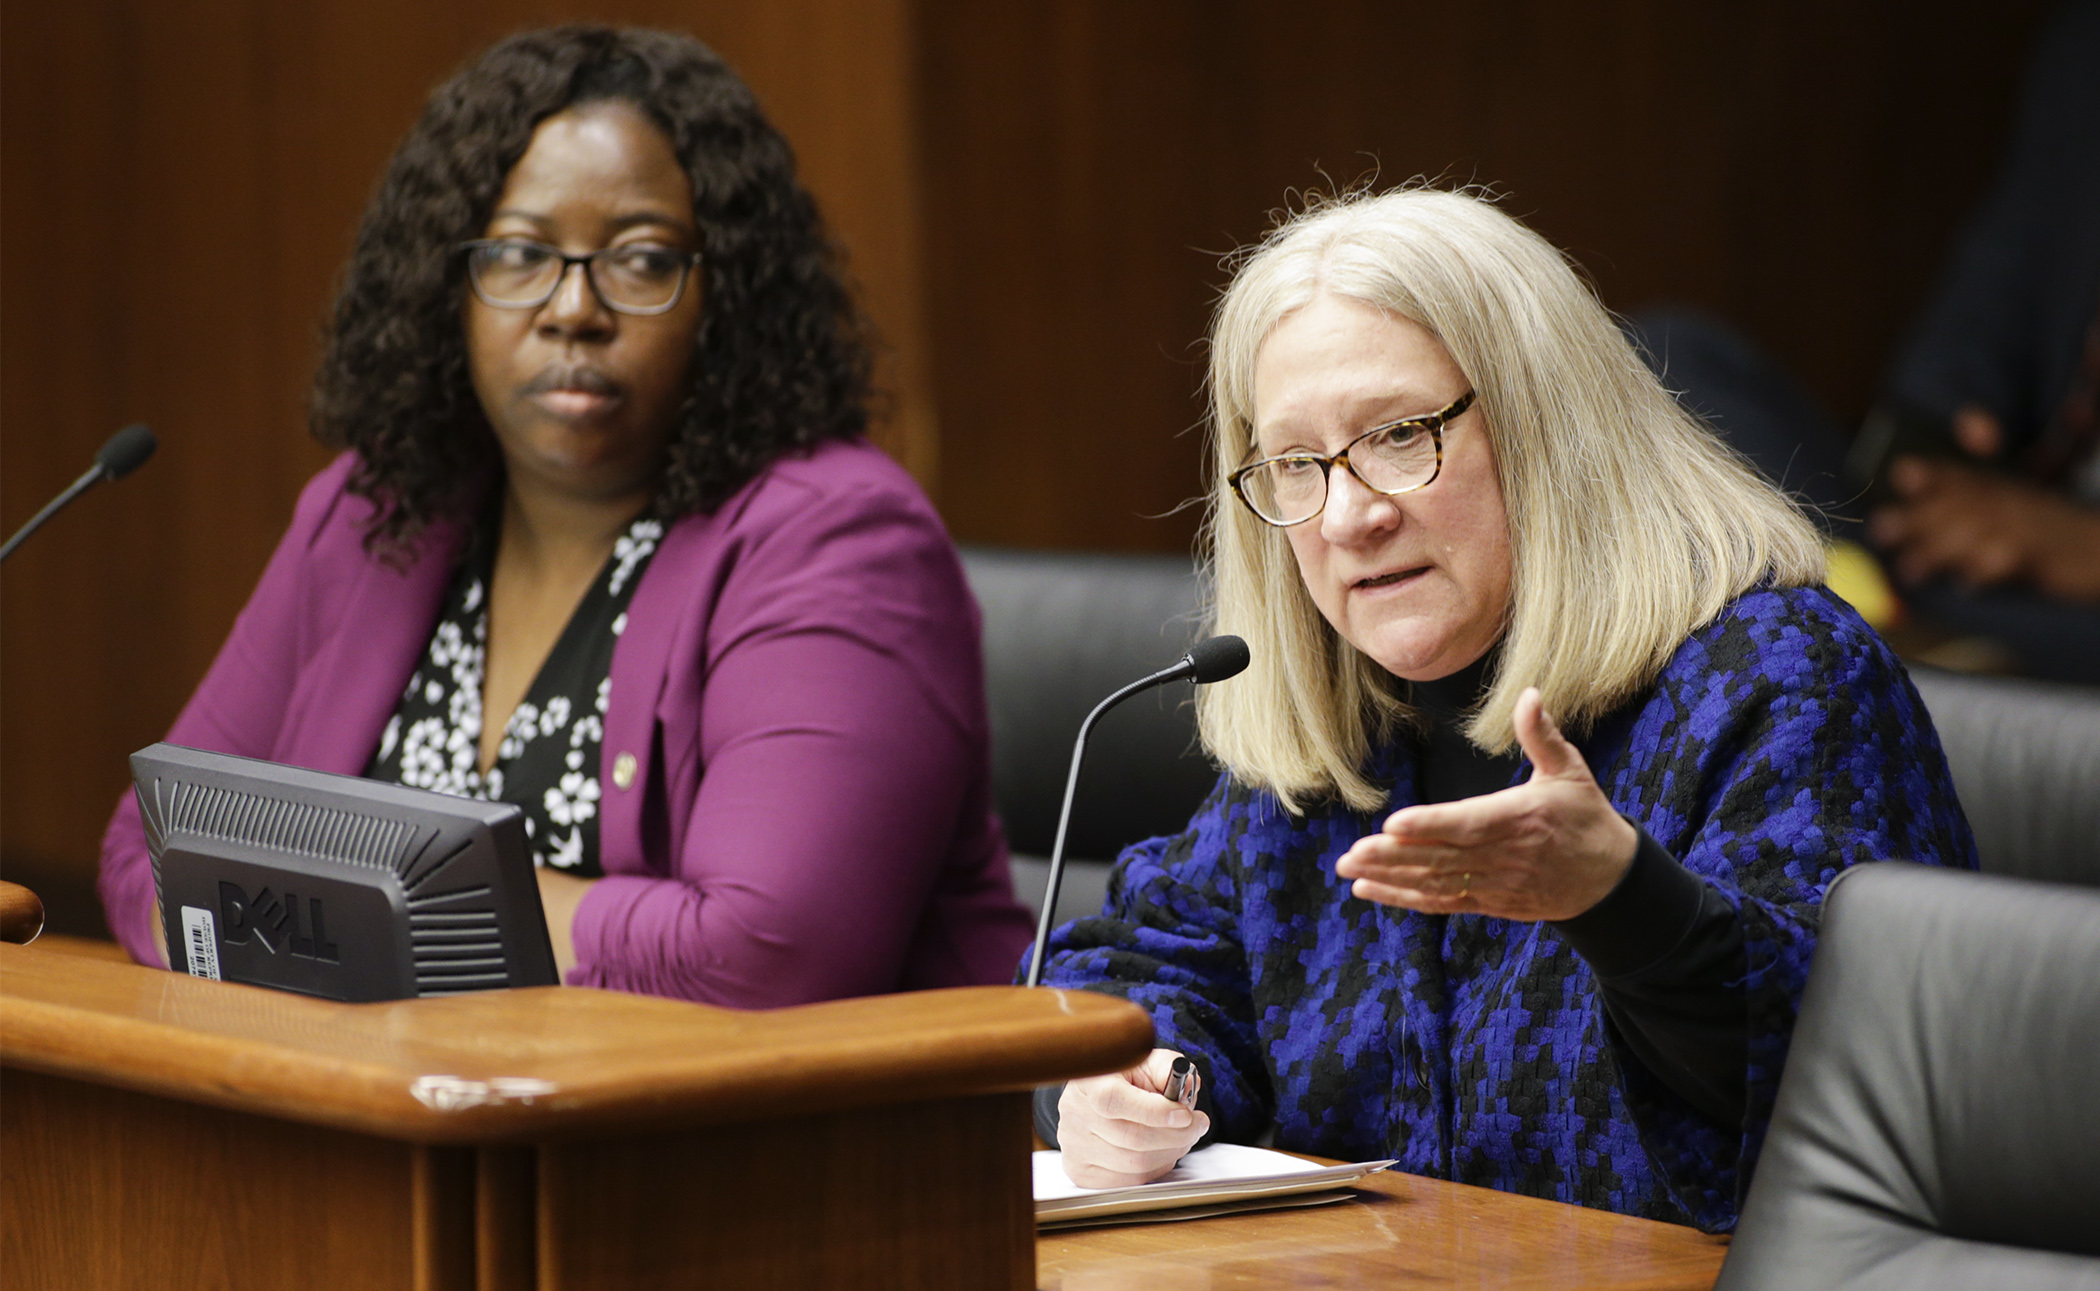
(1551, 743)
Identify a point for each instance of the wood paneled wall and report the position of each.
(1796, 168)
(1034, 195)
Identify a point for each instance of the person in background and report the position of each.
(1550, 746)
(605, 541)
(1999, 537)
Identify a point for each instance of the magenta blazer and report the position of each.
(799, 684)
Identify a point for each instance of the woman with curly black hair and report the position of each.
(605, 541)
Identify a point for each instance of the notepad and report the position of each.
(1209, 1181)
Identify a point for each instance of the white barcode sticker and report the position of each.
(200, 936)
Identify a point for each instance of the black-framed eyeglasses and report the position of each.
(1398, 457)
(518, 273)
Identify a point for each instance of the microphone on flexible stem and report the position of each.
(126, 451)
(1211, 659)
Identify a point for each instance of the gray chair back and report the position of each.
(2026, 762)
(1061, 631)
(1938, 1125)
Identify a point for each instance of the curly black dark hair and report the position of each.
(782, 357)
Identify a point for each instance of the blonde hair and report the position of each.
(1630, 523)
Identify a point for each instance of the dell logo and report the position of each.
(274, 922)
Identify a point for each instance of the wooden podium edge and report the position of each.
(542, 1064)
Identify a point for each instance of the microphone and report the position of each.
(126, 451)
(1211, 659)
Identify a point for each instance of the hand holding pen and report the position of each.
(1130, 1127)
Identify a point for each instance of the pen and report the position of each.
(1182, 1082)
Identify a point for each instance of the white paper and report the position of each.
(1221, 1172)
(1217, 1163)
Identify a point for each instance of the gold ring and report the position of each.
(1466, 889)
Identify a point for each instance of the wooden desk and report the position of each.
(89, 947)
(157, 1130)
(1402, 1231)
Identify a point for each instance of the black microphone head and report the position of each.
(126, 451)
(1216, 658)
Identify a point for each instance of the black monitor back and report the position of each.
(336, 886)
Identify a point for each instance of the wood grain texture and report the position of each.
(921, 1197)
(108, 1190)
(1400, 1231)
(58, 943)
(540, 1063)
(21, 914)
(442, 1194)
(506, 1219)
(1796, 168)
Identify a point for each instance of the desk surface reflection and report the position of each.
(1399, 1231)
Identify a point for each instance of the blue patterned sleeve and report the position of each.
(1168, 941)
(1784, 744)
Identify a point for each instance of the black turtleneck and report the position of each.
(1665, 945)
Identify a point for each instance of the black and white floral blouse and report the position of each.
(549, 758)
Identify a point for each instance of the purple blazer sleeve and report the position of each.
(839, 839)
(238, 708)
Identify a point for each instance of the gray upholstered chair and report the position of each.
(2026, 762)
(1061, 631)
(1938, 1125)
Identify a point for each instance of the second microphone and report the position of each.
(1211, 659)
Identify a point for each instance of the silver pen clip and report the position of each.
(1182, 1083)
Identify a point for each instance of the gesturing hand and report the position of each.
(1549, 848)
(1119, 1130)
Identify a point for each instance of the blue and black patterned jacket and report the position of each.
(1782, 743)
